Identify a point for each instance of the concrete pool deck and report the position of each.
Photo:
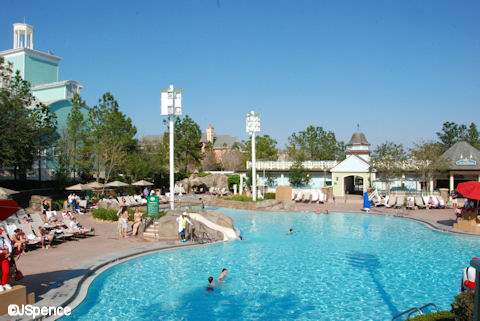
(55, 274)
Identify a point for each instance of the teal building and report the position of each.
(41, 70)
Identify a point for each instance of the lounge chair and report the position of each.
(306, 197)
(293, 194)
(299, 197)
(441, 202)
(400, 201)
(391, 201)
(410, 203)
(322, 197)
(315, 196)
(419, 202)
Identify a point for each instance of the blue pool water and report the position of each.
(335, 267)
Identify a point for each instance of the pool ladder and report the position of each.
(413, 310)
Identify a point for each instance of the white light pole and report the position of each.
(253, 126)
(171, 106)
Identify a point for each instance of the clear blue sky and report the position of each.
(398, 68)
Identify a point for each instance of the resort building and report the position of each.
(356, 174)
(220, 143)
(41, 70)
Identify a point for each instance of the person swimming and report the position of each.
(210, 285)
(290, 231)
(222, 275)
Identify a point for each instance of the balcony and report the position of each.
(285, 165)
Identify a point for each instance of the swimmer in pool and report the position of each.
(290, 231)
(222, 275)
(210, 285)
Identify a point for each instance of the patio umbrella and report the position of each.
(470, 189)
(95, 185)
(142, 183)
(5, 191)
(116, 184)
(77, 187)
(8, 208)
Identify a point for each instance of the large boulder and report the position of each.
(168, 225)
(219, 181)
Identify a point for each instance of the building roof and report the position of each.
(220, 141)
(462, 156)
(358, 139)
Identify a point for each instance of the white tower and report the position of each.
(22, 36)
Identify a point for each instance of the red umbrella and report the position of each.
(470, 189)
(8, 208)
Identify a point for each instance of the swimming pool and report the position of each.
(337, 266)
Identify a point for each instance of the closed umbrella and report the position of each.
(142, 183)
(116, 184)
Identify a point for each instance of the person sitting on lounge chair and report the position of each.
(77, 228)
(19, 240)
(45, 238)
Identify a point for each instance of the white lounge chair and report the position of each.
(391, 201)
(400, 201)
(306, 197)
(315, 196)
(299, 197)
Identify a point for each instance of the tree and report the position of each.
(428, 161)
(316, 144)
(473, 136)
(27, 127)
(233, 159)
(265, 148)
(74, 137)
(113, 133)
(298, 175)
(188, 149)
(389, 159)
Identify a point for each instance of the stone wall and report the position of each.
(266, 205)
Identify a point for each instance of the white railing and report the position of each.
(285, 165)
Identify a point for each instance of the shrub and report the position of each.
(57, 204)
(233, 179)
(111, 215)
(463, 306)
(269, 196)
(436, 316)
(240, 198)
(202, 174)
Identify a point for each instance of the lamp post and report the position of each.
(253, 126)
(171, 106)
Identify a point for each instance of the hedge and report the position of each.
(436, 316)
(111, 215)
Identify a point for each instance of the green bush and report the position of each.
(202, 174)
(436, 316)
(269, 196)
(57, 204)
(240, 198)
(463, 306)
(111, 215)
(233, 179)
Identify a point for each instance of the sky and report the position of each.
(398, 69)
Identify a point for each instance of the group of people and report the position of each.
(123, 216)
(221, 278)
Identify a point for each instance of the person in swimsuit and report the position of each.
(210, 284)
(222, 275)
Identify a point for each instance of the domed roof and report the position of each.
(358, 139)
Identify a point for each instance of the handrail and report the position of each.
(415, 309)
(411, 310)
(430, 304)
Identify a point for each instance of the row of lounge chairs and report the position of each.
(130, 201)
(307, 196)
(411, 202)
(60, 229)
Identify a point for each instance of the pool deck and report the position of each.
(61, 275)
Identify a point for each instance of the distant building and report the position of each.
(220, 143)
(41, 70)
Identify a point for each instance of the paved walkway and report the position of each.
(43, 268)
